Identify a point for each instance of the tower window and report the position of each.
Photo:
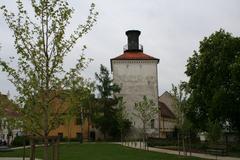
(148, 82)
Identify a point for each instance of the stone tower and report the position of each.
(136, 73)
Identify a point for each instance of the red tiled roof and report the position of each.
(8, 106)
(134, 56)
(11, 113)
(165, 111)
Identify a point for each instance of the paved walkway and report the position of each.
(139, 145)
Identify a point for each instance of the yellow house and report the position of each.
(72, 128)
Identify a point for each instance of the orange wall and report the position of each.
(71, 129)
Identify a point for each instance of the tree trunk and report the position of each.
(121, 137)
(45, 147)
(69, 131)
(144, 135)
(178, 137)
(183, 145)
(226, 141)
(88, 129)
(82, 132)
(32, 152)
(190, 144)
(24, 147)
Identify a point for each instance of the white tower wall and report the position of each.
(136, 79)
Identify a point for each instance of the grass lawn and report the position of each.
(101, 151)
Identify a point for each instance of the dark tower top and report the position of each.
(133, 42)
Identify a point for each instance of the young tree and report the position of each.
(183, 125)
(145, 111)
(106, 88)
(41, 45)
(214, 81)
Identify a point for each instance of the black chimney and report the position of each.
(133, 42)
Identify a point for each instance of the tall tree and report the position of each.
(106, 88)
(214, 81)
(41, 45)
(79, 92)
(145, 110)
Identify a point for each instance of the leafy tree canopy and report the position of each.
(41, 45)
(214, 82)
(110, 119)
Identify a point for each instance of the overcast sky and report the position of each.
(170, 31)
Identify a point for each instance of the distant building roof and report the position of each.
(165, 111)
(7, 106)
(166, 93)
(11, 113)
(134, 56)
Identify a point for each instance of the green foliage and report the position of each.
(214, 132)
(41, 44)
(124, 124)
(145, 111)
(108, 118)
(19, 141)
(111, 119)
(152, 142)
(214, 82)
(106, 87)
(180, 97)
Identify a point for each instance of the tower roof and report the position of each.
(134, 56)
(133, 50)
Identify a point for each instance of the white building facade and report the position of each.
(137, 75)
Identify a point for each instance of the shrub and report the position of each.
(19, 141)
(161, 142)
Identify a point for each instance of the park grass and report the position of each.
(101, 151)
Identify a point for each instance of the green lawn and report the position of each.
(101, 151)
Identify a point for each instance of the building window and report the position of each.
(78, 121)
(60, 135)
(152, 123)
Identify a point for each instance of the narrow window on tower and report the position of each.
(149, 83)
